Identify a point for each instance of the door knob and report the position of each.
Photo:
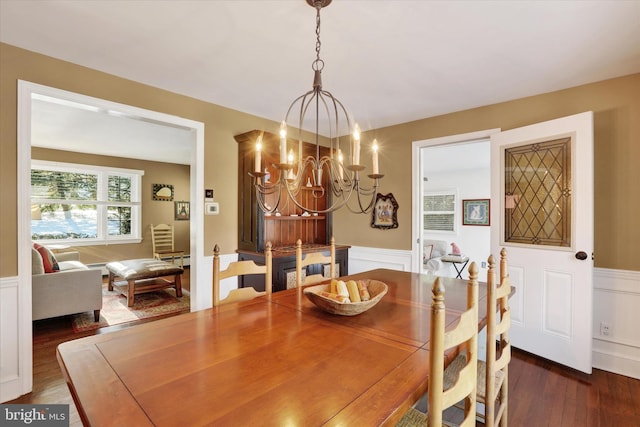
(582, 255)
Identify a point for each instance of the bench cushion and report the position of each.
(145, 268)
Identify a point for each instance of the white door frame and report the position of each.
(416, 188)
(200, 298)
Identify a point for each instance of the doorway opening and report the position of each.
(27, 92)
(446, 172)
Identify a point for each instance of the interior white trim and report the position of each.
(416, 187)
(12, 382)
(200, 295)
(615, 295)
(364, 258)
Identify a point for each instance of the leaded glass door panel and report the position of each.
(537, 181)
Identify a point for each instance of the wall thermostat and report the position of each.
(212, 208)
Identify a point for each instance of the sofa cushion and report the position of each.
(72, 265)
(37, 267)
(48, 259)
(439, 248)
(428, 250)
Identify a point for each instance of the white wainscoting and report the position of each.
(616, 302)
(13, 355)
(363, 259)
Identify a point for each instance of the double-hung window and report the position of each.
(84, 204)
(439, 211)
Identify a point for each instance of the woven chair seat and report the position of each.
(416, 418)
(412, 418)
(451, 374)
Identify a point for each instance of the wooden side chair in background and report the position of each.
(314, 258)
(493, 373)
(162, 240)
(241, 268)
(496, 367)
(465, 336)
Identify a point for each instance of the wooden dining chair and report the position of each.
(241, 268)
(493, 373)
(464, 336)
(496, 368)
(314, 258)
(162, 242)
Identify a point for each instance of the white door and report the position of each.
(542, 196)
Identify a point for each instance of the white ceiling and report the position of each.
(388, 61)
(72, 126)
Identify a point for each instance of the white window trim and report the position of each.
(136, 197)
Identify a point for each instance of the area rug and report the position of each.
(115, 311)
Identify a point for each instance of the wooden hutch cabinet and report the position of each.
(255, 228)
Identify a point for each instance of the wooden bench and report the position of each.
(143, 275)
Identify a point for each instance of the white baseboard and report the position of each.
(616, 358)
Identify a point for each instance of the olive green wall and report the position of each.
(616, 107)
(616, 104)
(153, 211)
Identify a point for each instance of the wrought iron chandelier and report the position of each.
(343, 179)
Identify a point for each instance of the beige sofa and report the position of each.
(76, 288)
(432, 260)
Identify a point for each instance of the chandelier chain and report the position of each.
(318, 64)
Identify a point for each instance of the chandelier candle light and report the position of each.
(342, 181)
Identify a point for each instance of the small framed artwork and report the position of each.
(163, 192)
(181, 210)
(476, 211)
(385, 212)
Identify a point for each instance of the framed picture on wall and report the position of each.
(162, 192)
(384, 214)
(476, 212)
(181, 210)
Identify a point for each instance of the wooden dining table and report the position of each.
(275, 360)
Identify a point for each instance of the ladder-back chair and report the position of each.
(241, 268)
(464, 336)
(495, 394)
(162, 241)
(493, 373)
(314, 258)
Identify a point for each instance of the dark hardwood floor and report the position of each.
(541, 393)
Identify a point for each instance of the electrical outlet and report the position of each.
(605, 329)
(483, 264)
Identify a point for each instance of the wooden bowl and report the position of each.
(377, 290)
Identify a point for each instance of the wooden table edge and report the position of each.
(102, 381)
